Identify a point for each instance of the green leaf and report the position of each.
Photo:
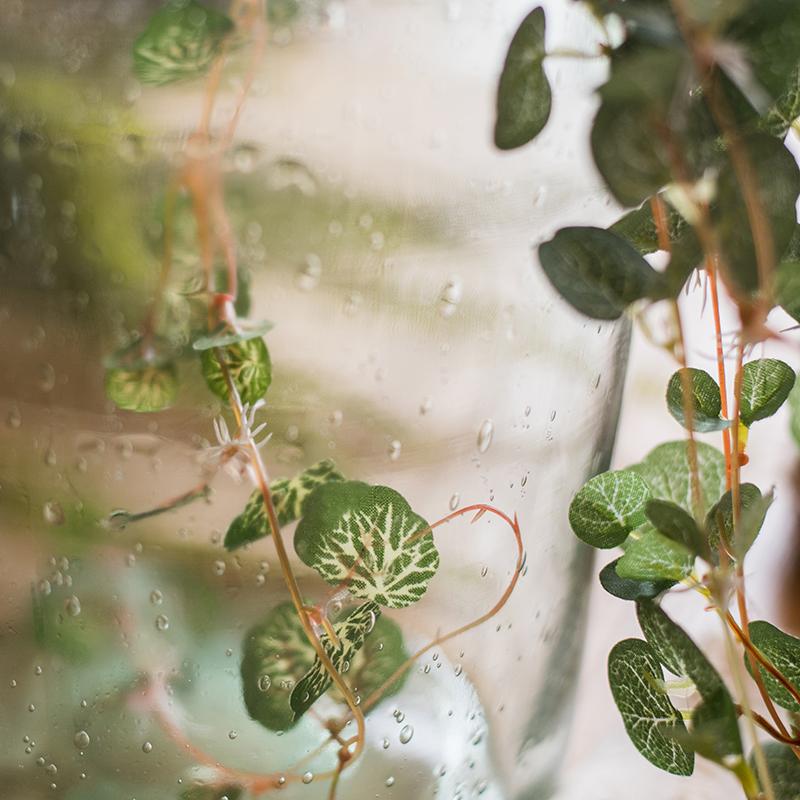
(787, 287)
(180, 41)
(794, 413)
(627, 588)
(786, 108)
(651, 556)
(368, 537)
(282, 12)
(783, 651)
(705, 401)
(608, 507)
(226, 336)
(597, 272)
(766, 384)
(147, 389)
(523, 94)
(784, 769)
(200, 792)
(636, 678)
(719, 520)
(249, 366)
(288, 497)
(276, 656)
(351, 633)
(777, 184)
(678, 525)
(666, 471)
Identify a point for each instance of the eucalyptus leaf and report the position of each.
(369, 538)
(766, 384)
(276, 656)
(226, 336)
(783, 651)
(677, 524)
(608, 507)
(351, 633)
(784, 770)
(719, 520)
(636, 678)
(794, 413)
(627, 588)
(597, 272)
(651, 556)
(248, 364)
(787, 287)
(706, 401)
(180, 41)
(147, 389)
(523, 93)
(288, 497)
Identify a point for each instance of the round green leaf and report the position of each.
(627, 588)
(180, 41)
(146, 389)
(227, 336)
(783, 651)
(719, 520)
(249, 366)
(597, 272)
(651, 556)
(636, 677)
(705, 400)
(368, 537)
(608, 508)
(523, 94)
(276, 656)
(766, 384)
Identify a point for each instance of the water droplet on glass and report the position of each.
(264, 683)
(245, 158)
(395, 448)
(47, 377)
(390, 781)
(37, 670)
(52, 769)
(425, 406)
(219, 567)
(450, 297)
(287, 173)
(484, 572)
(156, 598)
(72, 606)
(81, 740)
(458, 670)
(162, 622)
(147, 747)
(232, 735)
(53, 513)
(385, 744)
(308, 777)
(485, 434)
(44, 587)
(309, 273)
(14, 418)
(406, 734)
(50, 457)
(455, 499)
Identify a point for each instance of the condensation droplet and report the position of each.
(147, 747)
(44, 587)
(308, 777)
(390, 781)
(81, 740)
(406, 734)
(485, 435)
(156, 598)
(72, 606)
(53, 513)
(162, 622)
(232, 735)
(385, 744)
(264, 683)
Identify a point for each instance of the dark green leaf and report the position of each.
(636, 680)
(784, 769)
(719, 520)
(705, 401)
(766, 384)
(597, 272)
(180, 41)
(200, 792)
(226, 336)
(288, 497)
(677, 524)
(777, 183)
(147, 389)
(787, 288)
(651, 556)
(351, 633)
(523, 94)
(277, 654)
(794, 413)
(783, 651)
(627, 588)
(608, 507)
(369, 537)
(248, 364)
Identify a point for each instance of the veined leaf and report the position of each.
(597, 272)
(369, 538)
(677, 524)
(523, 94)
(288, 497)
(226, 336)
(277, 655)
(351, 633)
(180, 41)
(719, 520)
(608, 508)
(784, 769)
(627, 588)
(651, 556)
(248, 364)
(766, 384)
(666, 471)
(794, 413)
(705, 401)
(147, 389)
(636, 677)
(783, 651)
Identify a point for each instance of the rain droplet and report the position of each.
(53, 513)
(308, 777)
(385, 744)
(162, 622)
(81, 740)
(147, 747)
(390, 781)
(156, 598)
(232, 735)
(264, 683)
(485, 434)
(406, 734)
(72, 606)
